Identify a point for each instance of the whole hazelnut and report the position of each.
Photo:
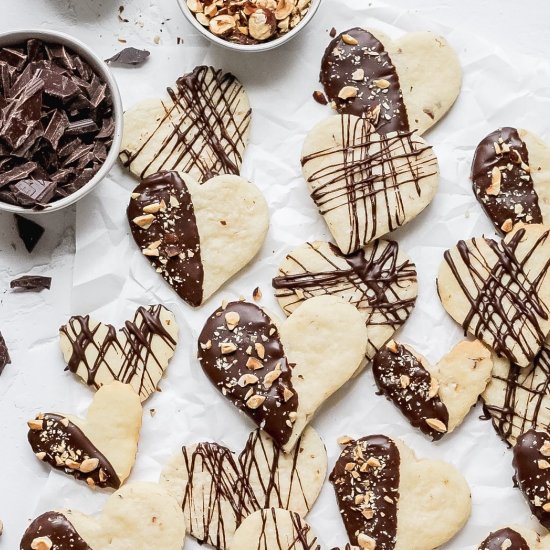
(262, 24)
(222, 24)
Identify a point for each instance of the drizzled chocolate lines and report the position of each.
(374, 277)
(369, 178)
(206, 135)
(302, 539)
(505, 282)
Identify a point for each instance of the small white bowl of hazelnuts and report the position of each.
(249, 25)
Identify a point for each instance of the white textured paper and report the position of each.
(111, 277)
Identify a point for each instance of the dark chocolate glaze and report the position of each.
(496, 540)
(58, 529)
(211, 140)
(375, 277)
(300, 539)
(367, 177)
(62, 440)
(509, 326)
(383, 106)
(505, 150)
(138, 358)
(402, 378)
(175, 226)
(532, 469)
(366, 477)
(255, 328)
(527, 390)
(231, 482)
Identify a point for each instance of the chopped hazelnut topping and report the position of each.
(227, 347)
(41, 455)
(507, 226)
(546, 507)
(348, 92)
(392, 346)
(381, 83)
(358, 75)
(89, 465)
(365, 542)
(287, 394)
(545, 449)
(232, 319)
(404, 381)
(144, 221)
(344, 440)
(255, 401)
(260, 350)
(368, 514)
(254, 363)
(543, 464)
(373, 462)
(257, 294)
(349, 40)
(247, 380)
(436, 424)
(206, 345)
(42, 543)
(35, 424)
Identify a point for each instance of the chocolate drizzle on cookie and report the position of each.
(403, 379)
(241, 353)
(360, 78)
(301, 538)
(163, 224)
(367, 182)
(371, 282)
(504, 538)
(62, 444)
(505, 302)
(502, 180)
(366, 481)
(206, 136)
(53, 528)
(532, 467)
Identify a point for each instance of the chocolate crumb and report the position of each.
(129, 56)
(320, 97)
(30, 232)
(31, 283)
(332, 32)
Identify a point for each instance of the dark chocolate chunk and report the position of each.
(17, 173)
(129, 56)
(32, 283)
(4, 354)
(29, 231)
(31, 192)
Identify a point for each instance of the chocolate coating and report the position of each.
(177, 257)
(62, 440)
(254, 336)
(502, 157)
(498, 539)
(58, 529)
(366, 479)
(402, 378)
(379, 96)
(532, 465)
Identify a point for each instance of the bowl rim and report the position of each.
(250, 48)
(99, 66)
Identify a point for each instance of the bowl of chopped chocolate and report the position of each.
(249, 25)
(60, 123)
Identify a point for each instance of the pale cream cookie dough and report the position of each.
(389, 498)
(434, 399)
(138, 516)
(197, 236)
(200, 128)
(379, 280)
(218, 489)
(137, 354)
(247, 354)
(366, 184)
(99, 449)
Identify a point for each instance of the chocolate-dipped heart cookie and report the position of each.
(100, 449)
(218, 490)
(391, 500)
(500, 291)
(136, 355)
(518, 399)
(279, 375)
(434, 399)
(274, 529)
(402, 85)
(140, 515)
(379, 280)
(366, 184)
(515, 538)
(511, 178)
(197, 236)
(201, 128)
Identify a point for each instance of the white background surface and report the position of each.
(503, 46)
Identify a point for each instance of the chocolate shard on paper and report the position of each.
(31, 283)
(4, 354)
(129, 56)
(30, 232)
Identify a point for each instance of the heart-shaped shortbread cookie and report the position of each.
(219, 490)
(511, 178)
(389, 499)
(518, 399)
(100, 449)
(280, 375)
(402, 85)
(434, 399)
(500, 291)
(200, 129)
(138, 516)
(197, 236)
(379, 280)
(366, 184)
(274, 529)
(515, 538)
(137, 355)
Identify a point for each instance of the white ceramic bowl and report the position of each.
(262, 47)
(13, 38)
